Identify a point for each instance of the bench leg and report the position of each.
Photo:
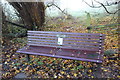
(99, 71)
(28, 57)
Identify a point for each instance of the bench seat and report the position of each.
(60, 53)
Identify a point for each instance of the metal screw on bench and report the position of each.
(72, 54)
(53, 54)
(85, 53)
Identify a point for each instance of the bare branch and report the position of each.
(52, 4)
(103, 5)
(106, 8)
(15, 24)
(92, 4)
(107, 4)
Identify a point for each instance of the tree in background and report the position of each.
(30, 16)
(31, 13)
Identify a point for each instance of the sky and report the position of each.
(73, 7)
(77, 7)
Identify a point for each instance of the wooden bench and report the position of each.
(77, 46)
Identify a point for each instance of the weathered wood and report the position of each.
(86, 44)
(97, 34)
(56, 52)
(68, 36)
(64, 33)
(66, 47)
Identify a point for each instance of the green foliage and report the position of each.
(36, 59)
(92, 55)
(13, 31)
(101, 26)
(35, 27)
(20, 40)
(17, 64)
(109, 52)
(40, 63)
(80, 67)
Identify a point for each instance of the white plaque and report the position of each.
(60, 41)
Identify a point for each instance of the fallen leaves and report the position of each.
(47, 67)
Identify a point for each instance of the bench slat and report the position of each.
(52, 44)
(67, 36)
(77, 43)
(52, 32)
(39, 37)
(34, 40)
(66, 39)
(65, 42)
(72, 39)
(60, 34)
(64, 47)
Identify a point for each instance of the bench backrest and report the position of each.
(81, 41)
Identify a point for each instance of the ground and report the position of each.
(15, 65)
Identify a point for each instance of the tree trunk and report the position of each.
(4, 24)
(32, 13)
